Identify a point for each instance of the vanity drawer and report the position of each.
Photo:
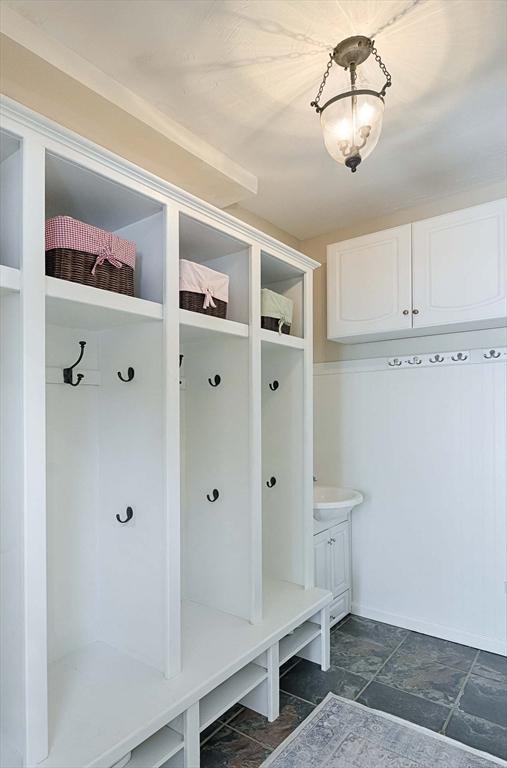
(339, 608)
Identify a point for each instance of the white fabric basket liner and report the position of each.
(277, 306)
(200, 279)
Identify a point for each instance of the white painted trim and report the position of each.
(255, 435)
(308, 429)
(387, 716)
(172, 446)
(68, 61)
(15, 116)
(414, 362)
(429, 628)
(34, 453)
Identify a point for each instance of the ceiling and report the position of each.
(240, 75)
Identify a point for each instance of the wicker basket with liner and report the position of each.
(276, 311)
(85, 254)
(203, 289)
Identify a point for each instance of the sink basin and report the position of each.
(330, 503)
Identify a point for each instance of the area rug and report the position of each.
(344, 734)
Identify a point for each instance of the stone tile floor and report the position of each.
(450, 688)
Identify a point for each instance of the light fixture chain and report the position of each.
(315, 102)
(383, 68)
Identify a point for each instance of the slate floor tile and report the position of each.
(491, 665)
(440, 651)
(357, 654)
(230, 749)
(307, 681)
(405, 705)
(423, 677)
(288, 665)
(292, 712)
(479, 734)
(485, 698)
(374, 631)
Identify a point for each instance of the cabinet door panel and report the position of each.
(322, 560)
(369, 284)
(459, 266)
(340, 558)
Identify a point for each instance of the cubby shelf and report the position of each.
(282, 339)
(156, 750)
(10, 280)
(195, 326)
(230, 692)
(80, 306)
(291, 644)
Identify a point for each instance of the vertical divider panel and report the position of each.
(172, 427)
(34, 451)
(308, 428)
(256, 432)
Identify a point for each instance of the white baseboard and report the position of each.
(491, 644)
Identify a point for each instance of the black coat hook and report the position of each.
(130, 375)
(68, 376)
(492, 354)
(271, 482)
(130, 515)
(214, 496)
(215, 382)
(274, 386)
(459, 356)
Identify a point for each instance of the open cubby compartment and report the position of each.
(296, 641)
(245, 685)
(206, 245)
(12, 675)
(284, 278)
(10, 200)
(164, 748)
(215, 473)
(283, 518)
(74, 190)
(107, 584)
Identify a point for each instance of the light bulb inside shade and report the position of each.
(352, 126)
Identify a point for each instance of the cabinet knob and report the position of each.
(330, 541)
(415, 311)
(405, 312)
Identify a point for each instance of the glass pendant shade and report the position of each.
(351, 125)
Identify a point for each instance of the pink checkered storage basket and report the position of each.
(85, 254)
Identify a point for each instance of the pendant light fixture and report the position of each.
(351, 122)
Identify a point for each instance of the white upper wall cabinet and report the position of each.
(369, 284)
(459, 266)
(434, 276)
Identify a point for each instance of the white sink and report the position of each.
(330, 503)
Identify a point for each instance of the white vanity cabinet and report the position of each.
(332, 548)
(442, 274)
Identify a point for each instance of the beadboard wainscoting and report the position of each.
(424, 439)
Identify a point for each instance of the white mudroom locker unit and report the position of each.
(156, 505)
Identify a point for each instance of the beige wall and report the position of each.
(326, 351)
